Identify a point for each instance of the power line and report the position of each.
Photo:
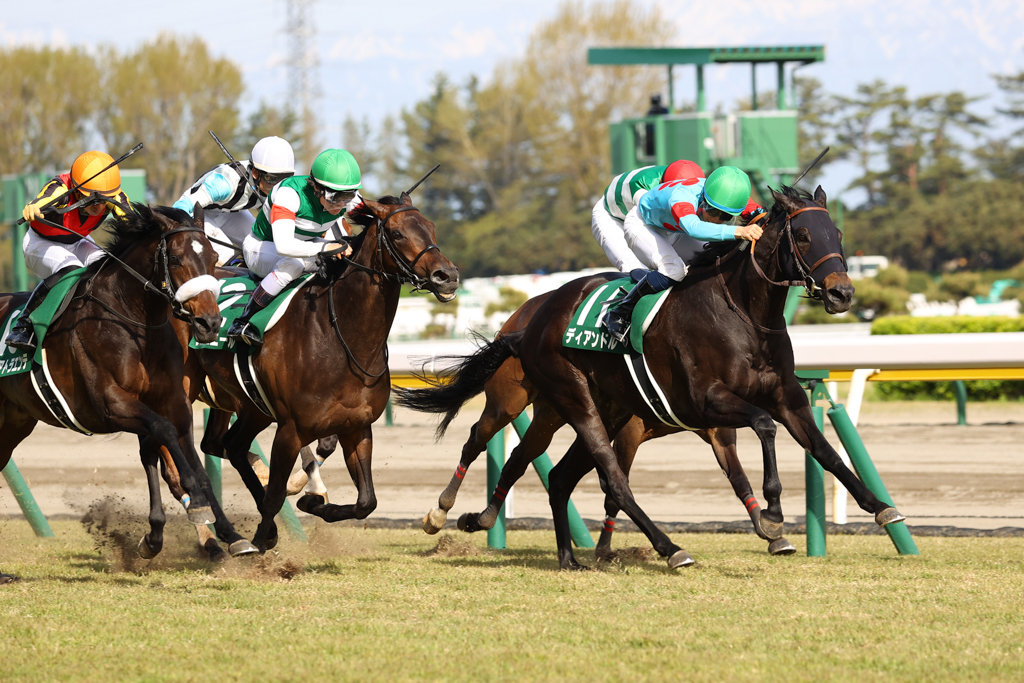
(303, 64)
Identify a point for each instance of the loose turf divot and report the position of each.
(626, 556)
(450, 546)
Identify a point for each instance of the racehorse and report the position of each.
(323, 366)
(508, 393)
(718, 349)
(118, 364)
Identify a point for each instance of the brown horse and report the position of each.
(118, 364)
(508, 393)
(324, 366)
(719, 349)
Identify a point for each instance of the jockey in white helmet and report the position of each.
(226, 193)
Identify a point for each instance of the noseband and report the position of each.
(407, 273)
(806, 272)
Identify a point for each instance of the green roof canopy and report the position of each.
(705, 55)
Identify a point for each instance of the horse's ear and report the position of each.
(819, 197)
(198, 219)
(406, 199)
(788, 204)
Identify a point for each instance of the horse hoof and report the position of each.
(888, 516)
(680, 558)
(755, 519)
(308, 502)
(145, 552)
(241, 548)
(770, 531)
(464, 522)
(434, 520)
(201, 516)
(486, 521)
(7, 578)
(781, 546)
(296, 482)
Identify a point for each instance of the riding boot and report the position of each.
(23, 333)
(242, 329)
(617, 320)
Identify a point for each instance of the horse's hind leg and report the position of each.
(213, 442)
(358, 449)
(15, 426)
(282, 459)
(723, 443)
(207, 541)
(794, 412)
(152, 543)
(506, 397)
(535, 441)
(626, 443)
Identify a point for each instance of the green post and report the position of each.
(495, 461)
(671, 92)
(792, 304)
(960, 390)
(27, 502)
(213, 471)
(814, 481)
(701, 102)
(781, 97)
(542, 464)
(898, 532)
(18, 265)
(389, 415)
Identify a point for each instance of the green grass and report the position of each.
(376, 605)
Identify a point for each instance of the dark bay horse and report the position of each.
(118, 363)
(719, 349)
(508, 392)
(324, 365)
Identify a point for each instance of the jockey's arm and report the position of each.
(51, 191)
(215, 187)
(282, 224)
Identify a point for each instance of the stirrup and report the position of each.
(22, 337)
(617, 326)
(245, 332)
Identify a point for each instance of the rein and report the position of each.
(806, 271)
(406, 275)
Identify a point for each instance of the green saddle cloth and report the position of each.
(14, 361)
(234, 295)
(586, 328)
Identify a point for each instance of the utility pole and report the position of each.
(303, 85)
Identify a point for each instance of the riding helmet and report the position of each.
(727, 189)
(336, 169)
(107, 183)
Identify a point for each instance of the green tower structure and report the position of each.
(763, 142)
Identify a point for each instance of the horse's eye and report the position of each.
(175, 261)
(396, 235)
(803, 236)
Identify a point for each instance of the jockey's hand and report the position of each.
(749, 232)
(31, 213)
(337, 250)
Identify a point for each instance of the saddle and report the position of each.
(15, 361)
(586, 328)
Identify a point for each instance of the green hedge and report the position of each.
(979, 390)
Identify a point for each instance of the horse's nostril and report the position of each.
(439, 276)
(840, 294)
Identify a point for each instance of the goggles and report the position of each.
(717, 214)
(336, 196)
(273, 178)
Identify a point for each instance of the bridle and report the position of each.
(806, 272)
(406, 275)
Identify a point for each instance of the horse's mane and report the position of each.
(364, 218)
(131, 227)
(713, 250)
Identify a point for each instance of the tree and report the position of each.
(858, 138)
(47, 99)
(815, 113)
(169, 93)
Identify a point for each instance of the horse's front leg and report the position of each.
(358, 448)
(795, 414)
(726, 408)
(282, 458)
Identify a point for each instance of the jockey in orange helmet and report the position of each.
(49, 251)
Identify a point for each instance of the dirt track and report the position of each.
(938, 473)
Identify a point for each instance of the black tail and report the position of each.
(460, 382)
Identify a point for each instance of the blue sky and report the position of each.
(376, 58)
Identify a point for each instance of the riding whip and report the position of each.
(248, 178)
(810, 166)
(418, 182)
(124, 156)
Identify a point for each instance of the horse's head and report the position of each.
(809, 247)
(184, 263)
(406, 246)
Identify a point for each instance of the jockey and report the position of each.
(670, 225)
(226, 193)
(289, 231)
(620, 196)
(50, 252)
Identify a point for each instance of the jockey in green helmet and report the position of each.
(289, 231)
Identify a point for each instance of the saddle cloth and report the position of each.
(234, 294)
(586, 328)
(14, 361)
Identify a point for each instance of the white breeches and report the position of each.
(277, 271)
(45, 257)
(666, 252)
(609, 234)
(228, 226)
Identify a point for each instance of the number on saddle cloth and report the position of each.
(586, 329)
